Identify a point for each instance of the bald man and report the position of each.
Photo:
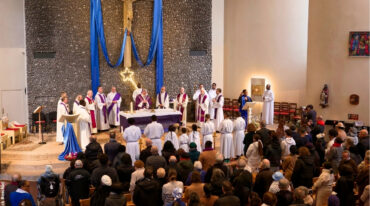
(145, 153)
(363, 142)
(163, 100)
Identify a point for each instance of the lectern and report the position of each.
(73, 119)
(38, 110)
(248, 106)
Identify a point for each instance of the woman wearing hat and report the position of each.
(274, 187)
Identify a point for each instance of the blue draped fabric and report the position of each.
(70, 142)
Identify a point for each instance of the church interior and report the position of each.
(99, 88)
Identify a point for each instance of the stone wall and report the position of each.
(63, 27)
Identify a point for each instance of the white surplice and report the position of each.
(132, 135)
(181, 103)
(203, 103)
(164, 99)
(218, 110)
(207, 130)
(212, 94)
(239, 127)
(226, 140)
(195, 99)
(84, 121)
(172, 137)
(62, 109)
(194, 137)
(184, 142)
(135, 93)
(90, 106)
(76, 107)
(154, 131)
(268, 107)
(113, 116)
(101, 117)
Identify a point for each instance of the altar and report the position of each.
(166, 117)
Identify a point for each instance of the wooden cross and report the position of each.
(128, 15)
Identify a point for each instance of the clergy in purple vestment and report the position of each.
(143, 100)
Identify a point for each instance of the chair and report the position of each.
(128, 197)
(22, 130)
(277, 110)
(227, 106)
(292, 109)
(35, 122)
(5, 140)
(51, 120)
(235, 107)
(85, 202)
(284, 111)
(298, 115)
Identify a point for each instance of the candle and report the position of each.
(131, 107)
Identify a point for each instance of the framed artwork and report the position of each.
(354, 99)
(359, 43)
(257, 88)
(353, 116)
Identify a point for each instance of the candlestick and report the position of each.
(131, 107)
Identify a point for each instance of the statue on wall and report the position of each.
(324, 96)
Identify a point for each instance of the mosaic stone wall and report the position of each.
(63, 27)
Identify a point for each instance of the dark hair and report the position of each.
(304, 152)
(183, 130)
(302, 130)
(131, 121)
(255, 199)
(338, 140)
(195, 177)
(172, 175)
(126, 159)
(117, 188)
(333, 132)
(122, 148)
(112, 135)
(207, 188)
(345, 170)
(171, 128)
(326, 165)
(257, 137)
(219, 90)
(269, 198)
(82, 102)
(168, 147)
(194, 127)
(262, 124)
(309, 106)
(288, 132)
(293, 150)
(148, 172)
(103, 159)
(227, 186)
(194, 199)
(207, 116)
(208, 144)
(154, 118)
(293, 128)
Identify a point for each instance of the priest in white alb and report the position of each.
(218, 111)
(226, 139)
(101, 110)
(195, 99)
(163, 100)
(268, 106)
(143, 100)
(239, 127)
(202, 106)
(212, 94)
(84, 121)
(137, 91)
(62, 94)
(132, 135)
(181, 102)
(76, 104)
(154, 131)
(207, 130)
(114, 103)
(62, 109)
(90, 106)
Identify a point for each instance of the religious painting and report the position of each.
(354, 99)
(359, 43)
(257, 88)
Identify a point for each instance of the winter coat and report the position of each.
(303, 172)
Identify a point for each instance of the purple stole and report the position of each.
(181, 108)
(77, 102)
(62, 103)
(141, 98)
(201, 113)
(218, 100)
(115, 98)
(160, 99)
(92, 113)
(102, 99)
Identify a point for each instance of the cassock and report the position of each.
(194, 137)
(242, 101)
(62, 109)
(162, 98)
(101, 111)
(207, 130)
(212, 94)
(76, 106)
(172, 137)
(84, 121)
(184, 142)
(218, 110)
(226, 140)
(154, 131)
(239, 127)
(268, 107)
(181, 103)
(90, 106)
(114, 108)
(139, 103)
(132, 135)
(136, 92)
(203, 104)
(195, 99)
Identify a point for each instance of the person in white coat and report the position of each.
(163, 100)
(255, 153)
(212, 95)
(90, 106)
(84, 121)
(172, 137)
(184, 140)
(203, 103)
(194, 137)
(287, 143)
(181, 103)
(113, 107)
(207, 130)
(76, 104)
(268, 106)
(101, 110)
(226, 139)
(239, 127)
(195, 99)
(154, 131)
(218, 104)
(62, 109)
(132, 135)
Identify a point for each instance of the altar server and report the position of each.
(163, 100)
(207, 130)
(101, 110)
(172, 137)
(203, 103)
(268, 106)
(62, 109)
(195, 99)
(184, 140)
(114, 103)
(239, 127)
(218, 111)
(76, 104)
(212, 95)
(181, 102)
(195, 137)
(137, 91)
(226, 140)
(154, 131)
(84, 121)
(132, 135)
(90, 106)
(143, 100)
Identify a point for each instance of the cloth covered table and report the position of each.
(143, 117)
